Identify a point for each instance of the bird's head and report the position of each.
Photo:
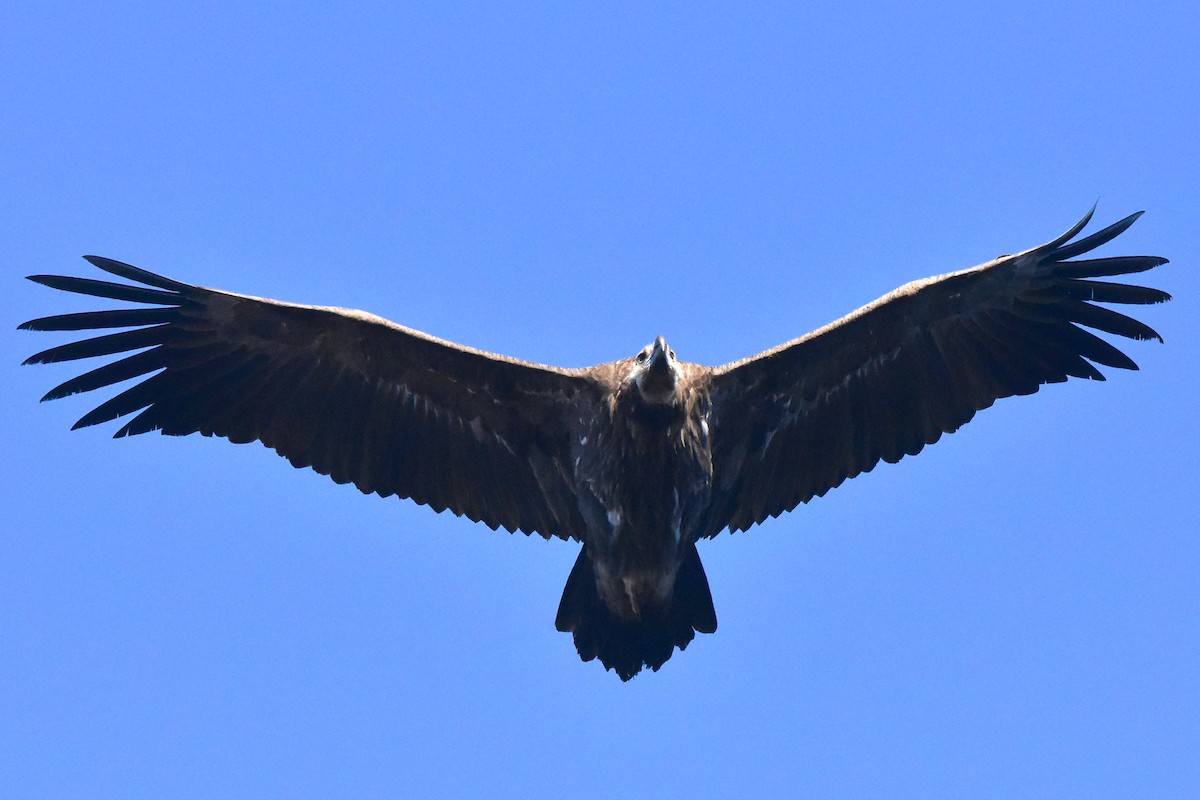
(656, 373)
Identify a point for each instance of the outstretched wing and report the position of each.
(881, 383)
(355, 397)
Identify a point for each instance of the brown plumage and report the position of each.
(637, 459)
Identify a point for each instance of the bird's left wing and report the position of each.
(795, 421)
(355, 397)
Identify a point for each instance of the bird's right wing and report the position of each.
(884, 381)
(355, 397)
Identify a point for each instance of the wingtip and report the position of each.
(99, 262)
(130, 272)
(1064, 248)
(1091, 212)
(1071, 232)
(1129, 220)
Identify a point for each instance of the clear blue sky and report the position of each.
(1014, 613)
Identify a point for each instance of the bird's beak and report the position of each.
(658, 356)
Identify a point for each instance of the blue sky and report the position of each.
(1013, 613)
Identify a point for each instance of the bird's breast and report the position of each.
(642, 490)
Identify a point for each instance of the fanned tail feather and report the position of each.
(627, 646)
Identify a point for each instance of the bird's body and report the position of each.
(643, 471)
(638, 459)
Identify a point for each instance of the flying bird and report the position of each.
(637, 459)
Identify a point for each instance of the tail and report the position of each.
(627, 646)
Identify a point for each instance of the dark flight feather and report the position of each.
(95, 320)
(112, 291)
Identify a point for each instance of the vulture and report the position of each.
(637, 459)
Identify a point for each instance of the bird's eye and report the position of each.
(672, 354)
(641, 357)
